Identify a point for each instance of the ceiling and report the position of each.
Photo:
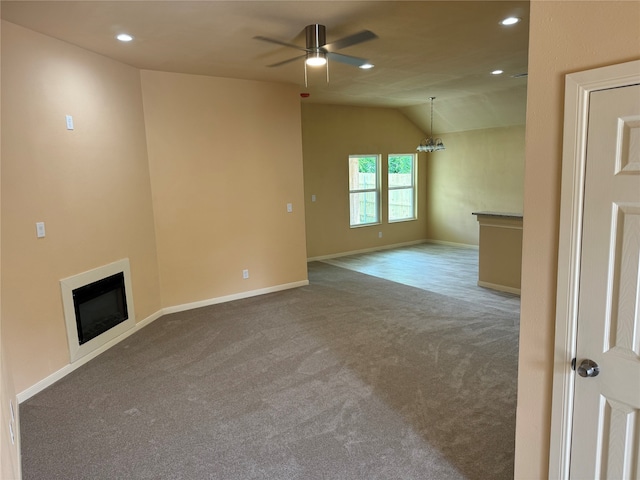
(445, 49)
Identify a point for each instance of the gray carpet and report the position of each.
(351, 377)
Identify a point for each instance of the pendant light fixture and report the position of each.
(430, 144)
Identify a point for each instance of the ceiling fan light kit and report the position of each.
(431, 144)
(319, 52)
(316, 59)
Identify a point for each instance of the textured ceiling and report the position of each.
(445, 49)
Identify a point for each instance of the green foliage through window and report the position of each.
(400, 163)
(367, 164)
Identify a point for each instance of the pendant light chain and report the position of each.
(431, 132)
(430, 144)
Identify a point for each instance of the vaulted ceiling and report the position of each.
(445, 49)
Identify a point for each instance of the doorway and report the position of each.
(573, 319)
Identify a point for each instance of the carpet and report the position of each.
(350, 377)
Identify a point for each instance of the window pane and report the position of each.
(401, 204)
(401, 181)
(362, 173)
(364, 189)
(363, 208)
(401, 170)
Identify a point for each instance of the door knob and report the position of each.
(588, 368)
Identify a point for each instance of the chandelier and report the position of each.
(431, 144)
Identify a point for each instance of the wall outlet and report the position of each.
(245, 274)
(379, 234)
(313, 198)
(289, 207)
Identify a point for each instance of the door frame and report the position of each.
(578, 87)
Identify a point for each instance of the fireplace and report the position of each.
(98, 307)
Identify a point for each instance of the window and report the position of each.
(402, 187)
(364, 190)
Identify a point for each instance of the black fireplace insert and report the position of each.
(99, 306)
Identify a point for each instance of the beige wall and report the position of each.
(565, 37)
(225, 158)
(90, 186)
(329, 135)
(481, 170)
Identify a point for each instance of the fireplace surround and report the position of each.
(98, 307)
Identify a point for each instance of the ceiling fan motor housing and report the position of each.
(316, 36)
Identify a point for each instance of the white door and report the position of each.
(605, 439)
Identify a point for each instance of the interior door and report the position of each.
(605, 440)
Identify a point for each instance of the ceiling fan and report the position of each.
(318, 51)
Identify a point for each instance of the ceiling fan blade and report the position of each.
(278, 42)
(363, 36)
(287, 61)
(349, 60)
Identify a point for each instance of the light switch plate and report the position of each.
(40, 233)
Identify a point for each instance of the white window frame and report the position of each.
(412, 187)
(375, 190)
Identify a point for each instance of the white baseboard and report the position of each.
(365, 250)
(67, 369)
(235, 296)
(501, 288)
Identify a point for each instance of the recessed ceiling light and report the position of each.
(124, 37)
(366, 66)
(510, 21)
(497, 72)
